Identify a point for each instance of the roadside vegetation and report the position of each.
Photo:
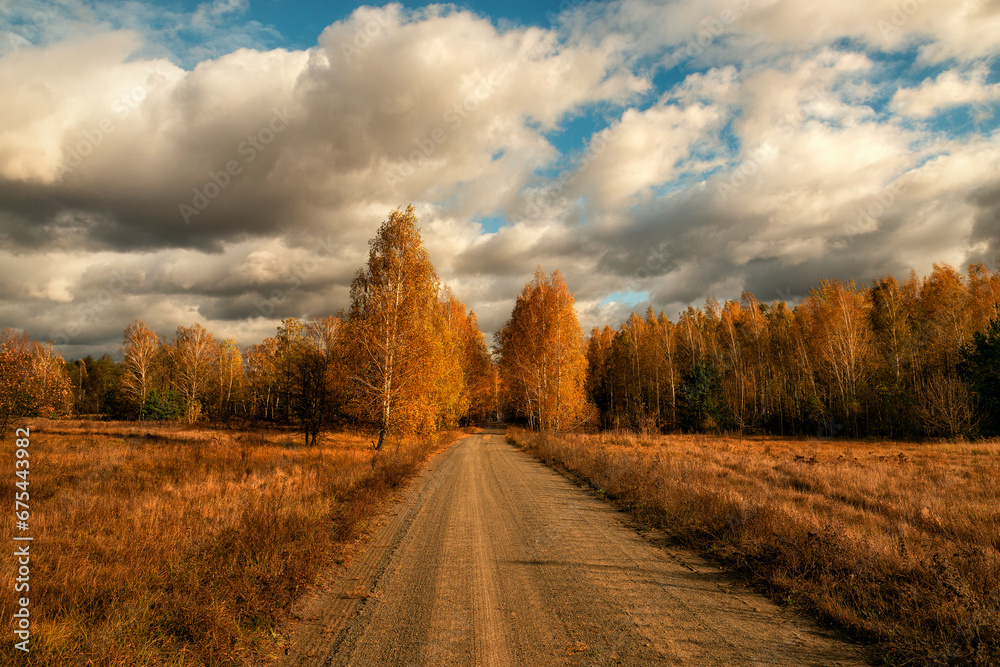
(898, 544)
(180, 534)
(172, 544)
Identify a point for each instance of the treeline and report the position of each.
(917, 358)
(406, 358)
(911, 359)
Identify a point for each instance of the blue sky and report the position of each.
(298, 25)
(225, 162)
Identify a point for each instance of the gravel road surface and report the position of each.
(490, 558)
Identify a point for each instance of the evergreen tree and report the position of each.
(979, 366)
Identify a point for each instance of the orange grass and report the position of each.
(896, 543)
(172, 544)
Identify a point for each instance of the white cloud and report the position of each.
(950, 89)
(646, 149)
(714, 32)
(768, 165)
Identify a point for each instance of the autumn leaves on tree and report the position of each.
(542, 364)
(891, 359)
(33, 380)
(406, 345)
(917, 358)
(408, 358)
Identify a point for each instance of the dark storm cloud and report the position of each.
(986, 229)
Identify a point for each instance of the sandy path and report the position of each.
(493, 559)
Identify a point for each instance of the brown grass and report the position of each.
(171, 545)
(896, 543)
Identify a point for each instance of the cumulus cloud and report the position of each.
(707, 33)
(735, 144)
(949, 89)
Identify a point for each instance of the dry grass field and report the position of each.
(179, 545)
(896, 543)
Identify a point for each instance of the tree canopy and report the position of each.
(542, 361)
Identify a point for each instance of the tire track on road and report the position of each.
(494, 559)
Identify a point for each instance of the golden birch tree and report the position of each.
(140, 351)
(394, 305)
(542, 361)
(193, 356)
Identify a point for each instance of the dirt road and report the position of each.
(493, 559)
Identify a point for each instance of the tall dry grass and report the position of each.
(896, 543)
(173, 545)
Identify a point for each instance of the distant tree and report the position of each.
(837, 330)
(262, 391)
(522, 360)
(542, 361)
(945, 318)
(140, 352)
(318, 385)
(287, 351)
(979, 366)
(894, 358)
(479, 371)
(791, 378)
(599, 391)
(228, 380)
(691, 345)
(947, 408)
(983, 289)
(101, 388)
(739, 376)
(453, 388)
(163, 405)
(894, 367)
(77, 371)
(193, 355)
